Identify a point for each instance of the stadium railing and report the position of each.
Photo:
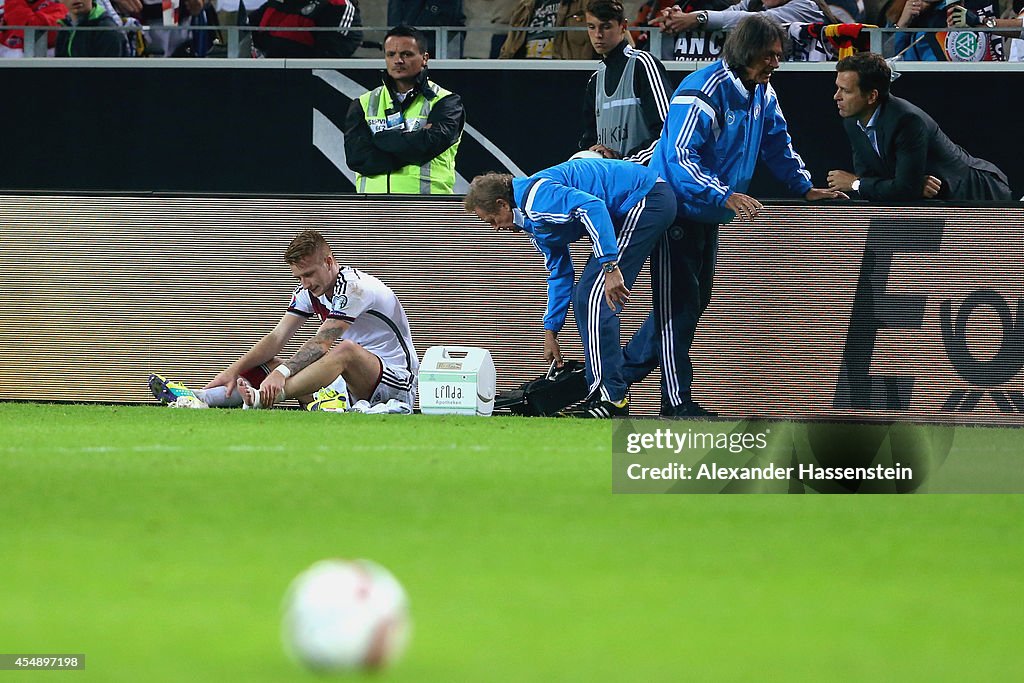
(35, 36)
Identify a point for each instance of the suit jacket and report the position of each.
(913, 146)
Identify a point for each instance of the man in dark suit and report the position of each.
(899, 152)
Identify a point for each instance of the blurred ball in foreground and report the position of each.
(345, 615)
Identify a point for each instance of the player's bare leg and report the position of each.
(361, 369)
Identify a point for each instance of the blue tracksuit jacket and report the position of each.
(561, 204)
(714, 134)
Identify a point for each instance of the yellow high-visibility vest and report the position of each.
(437, 176)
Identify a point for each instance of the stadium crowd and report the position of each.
(816, 30)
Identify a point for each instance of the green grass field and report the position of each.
(160, 542)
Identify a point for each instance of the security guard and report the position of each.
(402, 137)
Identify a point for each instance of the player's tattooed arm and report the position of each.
(317, 347)
(309, 353)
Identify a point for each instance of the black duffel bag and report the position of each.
(549, 394)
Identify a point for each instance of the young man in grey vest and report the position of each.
(626, 101)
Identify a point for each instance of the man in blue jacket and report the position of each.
(624, 209)
(721, 120)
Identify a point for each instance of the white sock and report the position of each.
(218, 397)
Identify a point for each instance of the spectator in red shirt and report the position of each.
(27, 13)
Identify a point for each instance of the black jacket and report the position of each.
(431, 13)
(390, 150)
(91, 43)
(913, 146)
(425, 14)
(340, 14)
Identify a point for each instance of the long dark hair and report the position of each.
(750, 40)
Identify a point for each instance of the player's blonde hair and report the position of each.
(485, 191)
(307, 243)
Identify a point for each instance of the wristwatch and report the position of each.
(990, 22)
(702, 18)
(610, 267)
(855, 185)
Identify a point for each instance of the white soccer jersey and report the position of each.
(377, 319)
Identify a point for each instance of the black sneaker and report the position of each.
(688, 409)
(596, 408)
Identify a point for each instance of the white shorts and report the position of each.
(394, 383)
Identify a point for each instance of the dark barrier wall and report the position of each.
(258, 127)
(835, 311)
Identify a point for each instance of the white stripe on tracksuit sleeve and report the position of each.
(551, 202)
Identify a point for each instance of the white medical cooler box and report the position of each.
(457, 379)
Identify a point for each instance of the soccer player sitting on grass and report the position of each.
(364, 339)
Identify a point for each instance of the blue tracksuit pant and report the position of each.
(638, 235)
(683, 272)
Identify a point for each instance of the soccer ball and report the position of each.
(344, 615)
